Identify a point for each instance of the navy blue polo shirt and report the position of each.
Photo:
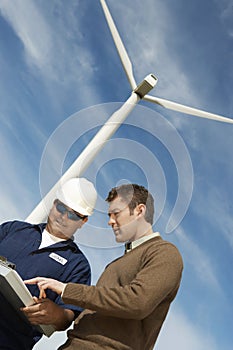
(63, 261)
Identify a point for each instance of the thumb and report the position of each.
(36, 300)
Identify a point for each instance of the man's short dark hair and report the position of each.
(133, 195)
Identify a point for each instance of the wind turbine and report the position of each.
(139, 92)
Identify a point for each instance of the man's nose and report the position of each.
(111, 220)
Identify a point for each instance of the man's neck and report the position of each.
(143, 232)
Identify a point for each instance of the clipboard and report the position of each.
(14, 290)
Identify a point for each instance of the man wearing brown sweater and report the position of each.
(128, 305)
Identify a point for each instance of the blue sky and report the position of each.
(61, 79)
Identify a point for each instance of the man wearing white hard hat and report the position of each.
(46, 249)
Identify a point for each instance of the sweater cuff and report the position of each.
(73, 294)
(65, 284)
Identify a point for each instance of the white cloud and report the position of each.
(180, 333)
(50, 43)
(30, 27)
(226, 13)
(199, 260)
(219, 211)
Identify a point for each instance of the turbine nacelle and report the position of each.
(146, 85)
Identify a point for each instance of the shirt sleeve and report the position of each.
(157, 280)
(4, 228)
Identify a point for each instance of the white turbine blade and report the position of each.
(119, 45)
(185, 109)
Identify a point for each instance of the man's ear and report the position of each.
(141, 210)
(85, 220)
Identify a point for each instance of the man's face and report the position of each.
(60, 225)
(123, 223)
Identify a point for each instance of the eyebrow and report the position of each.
(115, 210)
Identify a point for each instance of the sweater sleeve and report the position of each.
(157, 280)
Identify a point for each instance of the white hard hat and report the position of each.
(79, 194)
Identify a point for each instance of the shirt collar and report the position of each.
(131, 245)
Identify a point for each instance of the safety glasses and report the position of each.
(61, 208)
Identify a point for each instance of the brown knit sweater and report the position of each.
(127, 307)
